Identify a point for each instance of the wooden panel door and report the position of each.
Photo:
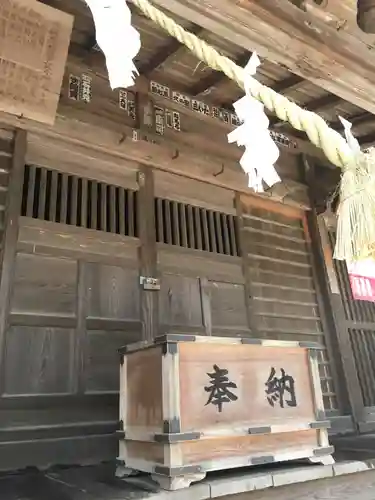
(202, 285)
(112, 320)
(74, 300)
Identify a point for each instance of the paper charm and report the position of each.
(261, 152)
(350, 139)
(117, 38)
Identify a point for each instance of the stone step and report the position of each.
(344, 481)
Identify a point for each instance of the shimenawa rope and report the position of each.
(356, 215)
(317, 130)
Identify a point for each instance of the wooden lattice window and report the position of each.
(195, 227)
(68, 199)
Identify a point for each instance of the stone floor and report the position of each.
(344, 481)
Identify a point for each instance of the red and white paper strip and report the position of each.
(362, 279)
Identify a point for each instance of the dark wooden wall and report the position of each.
(357, 322)
(227, 266)
(75, 300)
(286, 300)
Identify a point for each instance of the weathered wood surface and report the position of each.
(78, 251)
(201, 292)
(74, 301)
(184, 190)
(339, 60)
(249, 367)
(71, 138)
(232, 447)
(330, 303)
(148, 252)
(33, 60)
(284, 292)
(80, 58)
(12, 168)
(142, 380)
(102, 131)
(357, 322)
(190, 431)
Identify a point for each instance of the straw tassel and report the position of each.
(355, 238)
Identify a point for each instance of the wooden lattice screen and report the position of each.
(195, 227)
(360, 321)
(68, 199)
(281, 272)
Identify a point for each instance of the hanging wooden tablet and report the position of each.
(34, 42)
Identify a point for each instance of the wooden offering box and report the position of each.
(192, 404)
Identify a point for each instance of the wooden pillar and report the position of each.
(251, 320)
(10, 235)
(148, 252)
(340, 349)
(81, 336)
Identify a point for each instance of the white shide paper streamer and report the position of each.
(117, 38)
(261, 153)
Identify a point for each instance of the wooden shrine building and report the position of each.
(128, 215)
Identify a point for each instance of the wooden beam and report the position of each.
(215, 77)
(357, 120)
(165, 52)
(335, 60)
(94, 62)
(287, 84)
(303, 145)
(319, 104)
(281, 87)
(367, 140)
(90, 145)
(324, 102)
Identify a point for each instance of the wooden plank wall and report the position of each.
(74, 300)
(358, 319)
(285, 299)
(76, 297)
(202, 285)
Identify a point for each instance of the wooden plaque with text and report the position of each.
(34, 42)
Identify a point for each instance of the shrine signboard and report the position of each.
(192, 404)
(362, 279)
(34, 42)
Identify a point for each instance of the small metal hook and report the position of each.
(221, 171)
